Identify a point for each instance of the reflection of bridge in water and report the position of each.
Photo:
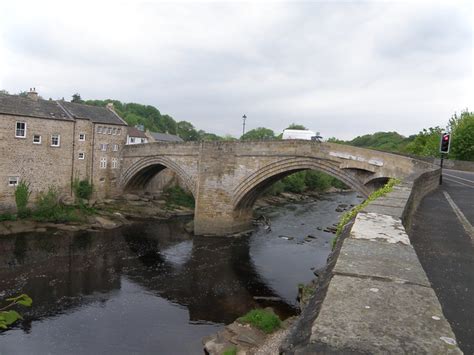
(214, 278)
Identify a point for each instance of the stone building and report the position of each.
(51, 143)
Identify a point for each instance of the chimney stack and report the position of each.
(110, 106)
(32, 94)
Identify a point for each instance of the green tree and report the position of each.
(76, 98)
(462, 140)
(258, 134)
(187, 131)
(426, 143)
(296, 126)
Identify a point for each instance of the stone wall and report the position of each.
(39, 164)
(377, 298)
(106, 180)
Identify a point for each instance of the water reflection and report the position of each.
(153, 286)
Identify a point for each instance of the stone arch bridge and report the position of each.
(226, 178)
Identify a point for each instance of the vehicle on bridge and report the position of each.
(300, 134)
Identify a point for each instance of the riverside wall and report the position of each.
(374, 296)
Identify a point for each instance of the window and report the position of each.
(143, 140)
(13, 180)
(132, 139)
(109, 130)
(119, 130)
(116, 147)
(99, 129)
(20, 131)
(55, 140)
(82, 137)
(114, 163)
(103, 147)
(114, 131)
(103, 163)
(81, 156)
(36, 139)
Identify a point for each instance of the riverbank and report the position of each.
(114, 213)
(108, 214)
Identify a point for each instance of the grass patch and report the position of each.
(176, 196)
(349, 215)
(230, 351)
(262, 319)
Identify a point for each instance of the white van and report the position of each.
(298, 134)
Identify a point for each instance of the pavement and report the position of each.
(443, 237)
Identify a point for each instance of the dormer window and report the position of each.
(20, 131)
(82, 137)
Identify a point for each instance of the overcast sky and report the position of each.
(342, 68)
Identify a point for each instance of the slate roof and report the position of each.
(60, 110)
(165, 137)
(24, 106)
(95, 114)
(135, 132)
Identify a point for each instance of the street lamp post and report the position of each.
(243, 124)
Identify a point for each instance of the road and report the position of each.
(443, 237)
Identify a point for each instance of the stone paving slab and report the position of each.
(389, 202)
(393, 262)
(396, 212)
(367, 316)
(375, 226)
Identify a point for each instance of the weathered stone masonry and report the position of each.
(80, 131)
(227, 177)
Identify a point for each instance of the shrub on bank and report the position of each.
(176, 196)
(22, 195)
(49, 209)
(82, 189)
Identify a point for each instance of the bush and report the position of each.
(48, 208)
(295, 182)
(317, 181)
(262, 319)
(176, 196)
(22, 195)
(82, 189)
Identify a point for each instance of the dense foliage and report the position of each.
(82, 189)
(22, 195)
(258, 134)
(308, 180)
(176, 196)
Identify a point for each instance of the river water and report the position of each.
(151, 288)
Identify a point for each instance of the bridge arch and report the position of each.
(139, 174)
(247, 191)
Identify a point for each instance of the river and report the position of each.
(151, 288)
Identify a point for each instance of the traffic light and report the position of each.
(445, 143)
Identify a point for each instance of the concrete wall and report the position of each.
(376, 297)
